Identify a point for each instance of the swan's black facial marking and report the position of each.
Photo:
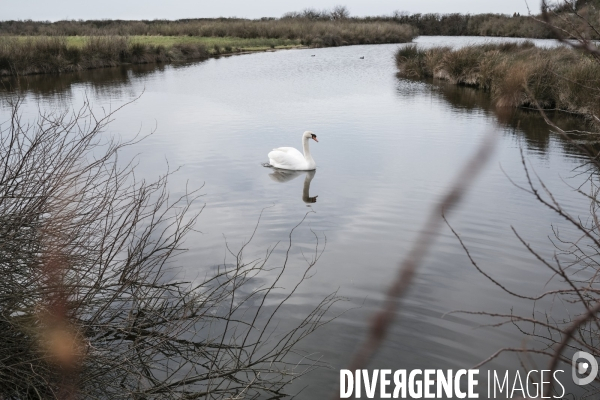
(314, 137)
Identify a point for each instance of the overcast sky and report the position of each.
(174, 9)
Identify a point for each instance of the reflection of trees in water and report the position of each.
(526, 124)
(103, 82)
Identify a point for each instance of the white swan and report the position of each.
(292, 159)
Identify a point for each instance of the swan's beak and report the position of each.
(315, 139)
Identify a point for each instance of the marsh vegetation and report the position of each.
(515, 74)
(28, 47)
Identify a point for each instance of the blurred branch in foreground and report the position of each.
(574, 268)
(383, 319)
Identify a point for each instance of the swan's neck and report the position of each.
(306, 189)
(306, 149)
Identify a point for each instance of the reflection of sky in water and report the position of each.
(387, 150)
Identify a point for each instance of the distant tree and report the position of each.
(311, 13)
(340, 12)
(397, 14)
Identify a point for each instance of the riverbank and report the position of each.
(516, 75)
(41, 54)
(25, 55)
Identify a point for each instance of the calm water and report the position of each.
(388, 148)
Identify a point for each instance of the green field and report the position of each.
(225, 44)
(221, 42)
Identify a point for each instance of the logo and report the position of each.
(584, 363)
(445, 384)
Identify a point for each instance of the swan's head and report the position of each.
(309, 135)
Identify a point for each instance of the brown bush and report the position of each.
(517, 75)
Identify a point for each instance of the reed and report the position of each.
(35, 55)
(516, 75)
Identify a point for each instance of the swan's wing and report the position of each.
(286, 158)
(290, 151)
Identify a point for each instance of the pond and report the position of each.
(388, 149)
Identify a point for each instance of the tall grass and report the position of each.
(22, 56)
(517, 75)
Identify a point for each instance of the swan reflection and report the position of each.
(283, 175)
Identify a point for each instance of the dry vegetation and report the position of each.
(516, 75)
(23, 56)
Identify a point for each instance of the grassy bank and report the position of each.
(212, 44)
(37, 55)
(41, 54)
(516, 75)
(34, 54)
